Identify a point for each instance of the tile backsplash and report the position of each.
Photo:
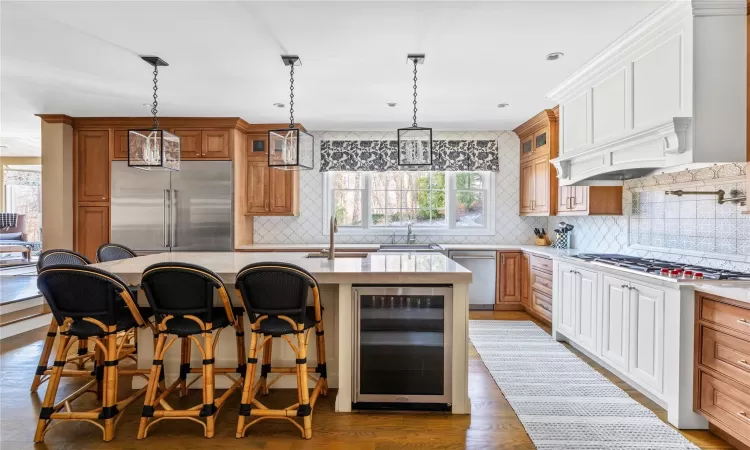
(307, 228)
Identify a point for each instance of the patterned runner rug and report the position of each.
(562, 402)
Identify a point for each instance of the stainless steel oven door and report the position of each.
(402, 344)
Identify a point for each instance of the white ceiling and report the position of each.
(81, 59)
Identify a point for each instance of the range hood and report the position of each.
(672, 91)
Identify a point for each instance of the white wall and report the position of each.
(308, 228)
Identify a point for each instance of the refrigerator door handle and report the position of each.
(173, 222)
(165, 217)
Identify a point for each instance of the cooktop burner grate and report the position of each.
(652, 265)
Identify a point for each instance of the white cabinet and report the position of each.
(567, 304)
(586, 308)
(615, 321)
(647, 335)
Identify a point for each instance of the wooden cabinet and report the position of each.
(722, 365)
(203, 144)
(509, 280)
(589, 201)
(538, 189)
(215, 144)
(93, 166)
(525, 280)
(268, 192)
(646, 335)
(615, 321)
(92, 230)
(120, 145)
(191, 144)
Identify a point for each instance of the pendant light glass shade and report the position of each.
(290, 149)
(415, 142)
(153, 150)
(415, 146)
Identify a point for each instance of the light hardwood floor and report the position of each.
(492, 425)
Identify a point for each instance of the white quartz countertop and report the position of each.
(736, 290)
(540, 250)
(394, 268)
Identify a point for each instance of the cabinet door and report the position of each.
(257, 146)
(647, 335)
(541, 142)
(92, 229)
(567, 288)
(509, 278)
(525, 280)
(93, 166)
(527, 186)
(120, 144)
(527, 147)
(615, 320)
(541, 185)
(191, 143)
(580, 198)
(586, 308)
(215, 144)
(256, 189)
(564, 195)
(281, 185)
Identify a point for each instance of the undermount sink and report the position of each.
(410, 248)
(337, 255)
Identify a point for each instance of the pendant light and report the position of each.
(153, 149)
(290, 148)
(415, 142)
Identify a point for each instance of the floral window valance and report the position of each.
(382, 156)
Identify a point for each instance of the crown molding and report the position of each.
(165, 122)
(537, 122)
(703, 8)
(56, 118)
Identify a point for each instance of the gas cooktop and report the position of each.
(654, 266)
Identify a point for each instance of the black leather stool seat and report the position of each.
(277, 327)
(125, 321)
(182, 326)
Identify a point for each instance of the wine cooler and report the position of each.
(402, 347)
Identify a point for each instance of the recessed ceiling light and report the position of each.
(279, 105)
(554, 56)
(392, 104)
(503, 105)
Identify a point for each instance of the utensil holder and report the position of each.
(562, 240)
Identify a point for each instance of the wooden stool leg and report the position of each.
(184, 364)
(209, 407)
(83, 348)
(265, 368)
(320, 347)
(109, 408)
(151, 390)
(304, 408)
(99, 372)
(49, 342)
(54, 383)
(239, 334)
(247, 388)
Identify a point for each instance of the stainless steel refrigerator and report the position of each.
(188, 210)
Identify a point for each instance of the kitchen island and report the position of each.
(336, 279)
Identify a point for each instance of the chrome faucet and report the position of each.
(411, 238)
(332, 244)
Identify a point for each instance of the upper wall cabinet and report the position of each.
(92, 165)
(538, 190)
(670, 91)
(268, 192)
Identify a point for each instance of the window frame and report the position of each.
(367, 229)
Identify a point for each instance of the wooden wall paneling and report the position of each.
(216, 144)
(93, 166)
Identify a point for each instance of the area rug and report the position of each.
(562, 402)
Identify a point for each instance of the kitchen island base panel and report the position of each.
(338, 318)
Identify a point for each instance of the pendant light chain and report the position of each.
(415, 94)
(291, 96)
(156, 103)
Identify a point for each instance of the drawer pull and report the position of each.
(743, 414)
(743, 322)
(743, 362)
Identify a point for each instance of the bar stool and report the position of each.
(113, 252)
(275, 297)
(182, 298)
(86, 300)
(46, 259)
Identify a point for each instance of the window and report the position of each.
(433, 202)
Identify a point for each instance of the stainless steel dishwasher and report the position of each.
(483, 266)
